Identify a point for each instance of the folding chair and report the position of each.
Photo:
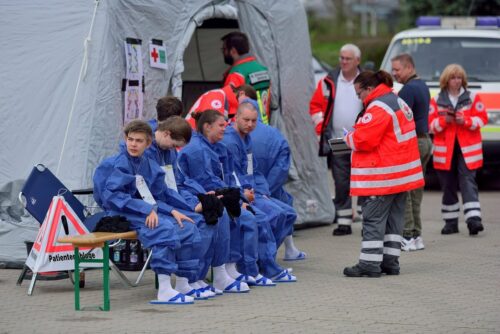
(36, 196)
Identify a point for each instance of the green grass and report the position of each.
(327, 37)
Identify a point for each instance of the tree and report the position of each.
(416, 8)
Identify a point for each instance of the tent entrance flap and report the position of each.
(203, 61)
(203, 33)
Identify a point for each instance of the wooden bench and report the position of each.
(94, 240)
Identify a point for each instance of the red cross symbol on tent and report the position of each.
(155, 55)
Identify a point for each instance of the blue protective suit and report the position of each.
(215, 239)
(153, 123)
(275, 223)
(272, 153)
(281, 216)
(174, 249)
(200, 161)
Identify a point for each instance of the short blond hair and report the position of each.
(450, 71)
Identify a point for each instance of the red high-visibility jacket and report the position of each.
(385, 158)
(247, 70)
(223, 100)
(321, 105)
(467, 134)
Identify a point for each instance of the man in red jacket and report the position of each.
(333, 108)
(245, 69)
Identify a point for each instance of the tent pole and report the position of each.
(83, 73)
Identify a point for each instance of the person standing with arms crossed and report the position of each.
(416, 95)
(334, 107)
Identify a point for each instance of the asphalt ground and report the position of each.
(450, 287)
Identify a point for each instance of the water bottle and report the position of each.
(116, 252)
(133, 252)
(124, 252)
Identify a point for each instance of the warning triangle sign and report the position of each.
(49, 255)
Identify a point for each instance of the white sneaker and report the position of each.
(419, 243)
(408, 245)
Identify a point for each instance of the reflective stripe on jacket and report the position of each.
(247, 70)
(223, 100)
(467, 134)
(385, 157)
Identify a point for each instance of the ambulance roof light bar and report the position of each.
(428, 21)
(458, 22)
(487, 21)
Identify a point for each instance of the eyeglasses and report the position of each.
(346, 58)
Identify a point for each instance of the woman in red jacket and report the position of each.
(385, 165)
(456, 116)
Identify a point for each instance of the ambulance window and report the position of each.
(479, 56)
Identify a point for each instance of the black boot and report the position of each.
(357, 271)
(450, 228)
(389, 271)
(342, 230)
(474, 227)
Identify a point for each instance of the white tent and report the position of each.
(62, 69)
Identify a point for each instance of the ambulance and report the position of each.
(474, 43)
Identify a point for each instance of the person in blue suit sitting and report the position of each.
(272, 154)
(132, 185)
(208, 161)
(171, 134)
(277, 218)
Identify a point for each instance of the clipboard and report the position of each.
(338, 146)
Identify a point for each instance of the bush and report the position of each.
(328, 36)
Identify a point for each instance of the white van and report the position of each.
(473, 43)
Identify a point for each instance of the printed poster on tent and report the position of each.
(133, 89)
(133, 55)
(49, 255)
(157, 54)
(134, 101)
